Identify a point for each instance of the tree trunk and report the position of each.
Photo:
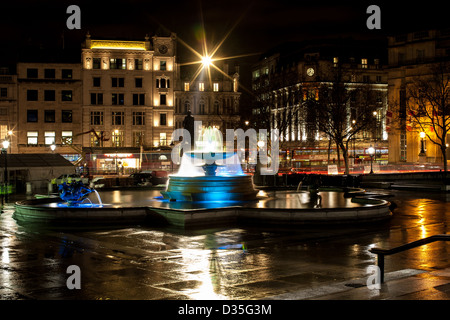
(444, 157)
(329, 150)
(345, 155)
(338, 156)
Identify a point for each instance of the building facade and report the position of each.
(285, 78)
(114, 111)
(214, 101)
(8, 108)
(128, 100)
(411, 56)
(49, 100)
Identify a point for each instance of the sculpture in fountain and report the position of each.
(75, 193)
(210, 174)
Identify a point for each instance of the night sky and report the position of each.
(256, 26)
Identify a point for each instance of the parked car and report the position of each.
(141, 178)
(72, 177)
(98, 182)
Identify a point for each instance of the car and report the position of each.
(70, 178)
(98, 182)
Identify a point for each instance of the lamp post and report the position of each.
(5, 177)
(53, 147)
(422, 147)
(116, 142)
(371, 151)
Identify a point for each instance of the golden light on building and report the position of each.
(117, 45)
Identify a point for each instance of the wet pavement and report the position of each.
(235, 262)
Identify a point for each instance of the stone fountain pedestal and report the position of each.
(210, 188)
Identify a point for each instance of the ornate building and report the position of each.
(128, 99)
(288, 76)
(213, 101)
(115, 111)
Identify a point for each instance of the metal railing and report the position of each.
(386, 252)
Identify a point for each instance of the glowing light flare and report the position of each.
(208, 57)
(206, 60)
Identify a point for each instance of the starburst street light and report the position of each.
(206, 60)
(207, 57)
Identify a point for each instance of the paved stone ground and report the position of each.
(235, 262)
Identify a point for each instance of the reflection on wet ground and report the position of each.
(243, 262)
(267, 200)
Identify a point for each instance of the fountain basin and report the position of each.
(51, 211)
(210, 188)
(284, 208)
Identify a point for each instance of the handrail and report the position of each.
(386, 252)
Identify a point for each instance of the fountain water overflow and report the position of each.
(208, 173)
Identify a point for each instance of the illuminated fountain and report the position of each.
(76, 194)
(209, 189)
(210, 174)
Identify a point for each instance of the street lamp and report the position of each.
(5, 177)
(53, 147)
(371, 151)
(116, 142)
(422, 147)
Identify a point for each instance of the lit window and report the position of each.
(32, 137)
(364, 63)
(201, 86)
(117, 138)
(66, 137)
(49, 137)
(186, 86)
(216, 86)
(117, 64)
(163, 139)
(335, 61)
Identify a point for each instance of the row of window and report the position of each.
(49, 116)
(49, 137)
(117, 138)
(118, 99)
(202, 108)
(49, 95)
(121, 64)
(117, 82)
(33, 73)
(118, 118)
(201, 86)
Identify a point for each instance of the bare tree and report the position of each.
(429, 107)
(344, 110)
